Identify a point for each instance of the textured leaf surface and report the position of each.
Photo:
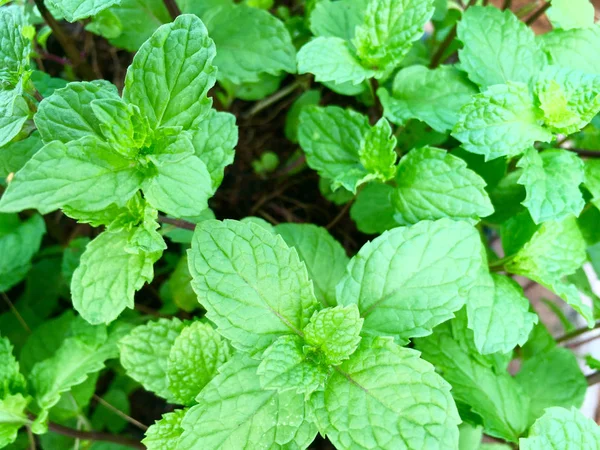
(377, 152)
(194, 358)
(551, 179)
(432, 96)
(165, 431)
(12, 417)
(335, 332)
(74, 10)
(419, 276)
(14, 46)
(145, 354)
(233, 411)
(324, 257)
(502, 121)
(560, 427)
(253, 286)
(499, 315)
(175, 97)
(11, 380)
(498, 47)
(432, 184)
(573, 48)
(552, 378)
(85, 174)
(108, 276)
(385, 396)
(250, 42)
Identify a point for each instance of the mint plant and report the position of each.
(317, 224)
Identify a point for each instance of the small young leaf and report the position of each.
(432, 184)
(253, 286)
(502, 121)
(14, 46)
(165, 431)
(373, 210)
(335, 332)
(194, 359)
(13, 416)
(11, 379)
(377, 152)
(551, 179)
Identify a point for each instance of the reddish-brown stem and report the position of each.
(538, 13)
(95, 436)
(179, 223)
(173, 8)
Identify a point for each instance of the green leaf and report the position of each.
(253, 286)
(180, 286)
(592, 179)
(420, 275)
(14, 112)
(324, 257)
(552, 378)
(567, 14)
(165, 431)
(337, 18)
(74, 10)
(19, 242)
(373, 210)
(12, 417)
(287, 366)
(108, 276)
(502, 121)
(176, 97)
(389, 29)
(45, 84)
(85, 174)
(377, 152)
(557, 249)
(559, 426)
(574, 49)
(194, 359)
(551, 179)
(234, 411)
(331, 59)
(11, 380)
(145, 354)
(477, 381)
(67, 114)
(335, 332)
(499, 315)
(181, 188)
(14, 46)
(432, 96)
(245, 52)
(214, 140)
(15, 154)
(498, 47)
(432, 184)
(569, 98)
(385, 384)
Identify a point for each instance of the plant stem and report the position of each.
(573, 334)
(173, 8)
(587, 153)
(439, 54)
(179, 223)
(538, 13)
(120, 413)
(81, 67)
(507, 5)
(95, 436)
(265, 103)
(593, 378)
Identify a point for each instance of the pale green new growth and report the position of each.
(377, 152)
(12, 417)
(165, 431)
(431, 184)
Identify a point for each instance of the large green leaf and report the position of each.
(74, 10)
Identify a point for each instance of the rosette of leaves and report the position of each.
(102, 151)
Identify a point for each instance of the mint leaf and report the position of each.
(560, 425)
(245, 52)
(432, 184)
(335, 332)
(287, 366)
(567, 14)
(499, 315)
(14, 112)
(176, 97)
(389, 29)
(12, 417)
(551, 179)
(165, 431)
(15, 154)
(502, 121)
(373, 210)
(108, 276)
(432, 96)
(387, 384)
(431, 264)
(324, 257)
(14, 46)
(19, 242)
(85, 174)
(145, 354)
(552, 378)
(74, 10)
(592, 180)
(233, 410)
(498, 47)
(573, 48)
(196, 355)
(11, 380)
(253, 286)
(377, 152)
(337, 18)
(67, 114)
(331, 59)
